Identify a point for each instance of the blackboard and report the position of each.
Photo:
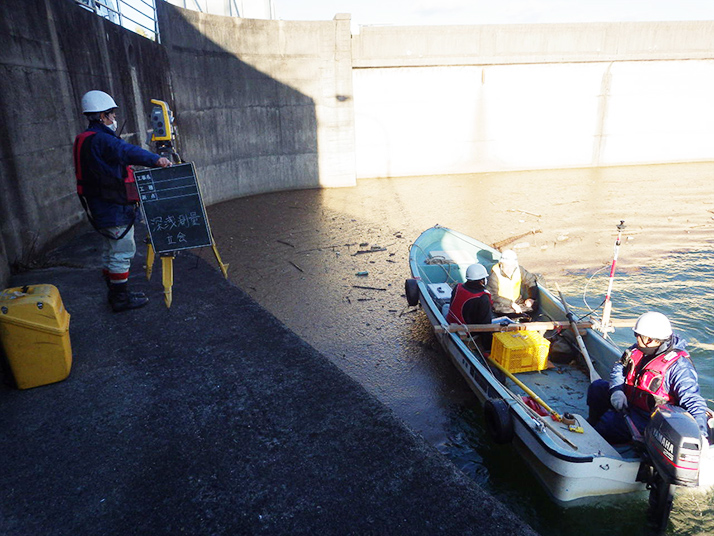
(173, 207)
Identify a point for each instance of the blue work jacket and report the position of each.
(109, 156)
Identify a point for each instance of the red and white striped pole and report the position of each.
(608, 304)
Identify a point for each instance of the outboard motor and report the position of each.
(673, 442)
(671, 450)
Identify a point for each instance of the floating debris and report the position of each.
(368, 288)
(361, 251)
(523, 212)
(506, 241)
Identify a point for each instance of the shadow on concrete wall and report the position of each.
(246, 131)
(52, 53)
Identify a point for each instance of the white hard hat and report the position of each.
(653, 325)
(509, 256)
(476, 272)
(97, 101)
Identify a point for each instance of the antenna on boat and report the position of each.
(605, 327)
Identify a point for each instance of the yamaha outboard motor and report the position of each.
(672, 443)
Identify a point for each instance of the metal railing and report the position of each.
(136, 15)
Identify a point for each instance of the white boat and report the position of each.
(570, 464)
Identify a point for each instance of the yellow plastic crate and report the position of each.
(520, 351)
(34, 331)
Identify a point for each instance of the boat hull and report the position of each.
(593, 468)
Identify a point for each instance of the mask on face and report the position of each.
(509, 268)
(113, 126)
(647, 350)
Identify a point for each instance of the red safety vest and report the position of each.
(645, 387)
(456, 307)
(89, 184)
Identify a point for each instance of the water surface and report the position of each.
(296, 253)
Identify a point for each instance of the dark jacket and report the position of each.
(477, 305)
(108, 157)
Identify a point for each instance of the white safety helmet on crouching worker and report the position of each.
(653, 325)
(476, 272)
(97, 101)
(509, 262)
(509, 257)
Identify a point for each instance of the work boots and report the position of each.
(122, 300)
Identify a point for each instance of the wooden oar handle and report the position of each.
(484, 328)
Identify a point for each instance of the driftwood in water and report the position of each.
(503, 243)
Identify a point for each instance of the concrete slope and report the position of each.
(212, 418)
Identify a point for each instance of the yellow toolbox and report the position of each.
(520, 351)
(34, 331)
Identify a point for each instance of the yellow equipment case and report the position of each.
(520, 351)
(34, 331)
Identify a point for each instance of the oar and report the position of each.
(573, 324)
(527, 390)
(538, 417)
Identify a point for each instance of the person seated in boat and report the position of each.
(471, 302)
(653, 371)
(514, 290)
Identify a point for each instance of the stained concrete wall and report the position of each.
(262, 105)
(496, 98)
(268, 105)
(51, 52)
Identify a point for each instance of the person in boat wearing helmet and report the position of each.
(471, 302)
(513, 288)
(106, 188)
(653, 371)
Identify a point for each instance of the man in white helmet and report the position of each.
(513, 288)
(105, 185)
(471, 302)
(655, 370)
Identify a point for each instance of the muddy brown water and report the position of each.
(296, 253)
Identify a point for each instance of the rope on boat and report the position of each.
(436, 263)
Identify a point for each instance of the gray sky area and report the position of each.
(436, 12)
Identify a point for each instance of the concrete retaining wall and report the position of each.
(274, 105)
(262, 105)
(497, 98)
(51, 52)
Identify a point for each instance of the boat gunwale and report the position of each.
(547, 442)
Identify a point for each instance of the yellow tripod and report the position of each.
(162, 135)
(167, 269)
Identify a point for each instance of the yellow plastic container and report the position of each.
(520, 351)
(34, 331)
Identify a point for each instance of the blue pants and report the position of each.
(610, 423)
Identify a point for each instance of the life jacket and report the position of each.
(92, 183)
(645, 387)
(508, 288)
(456, 307)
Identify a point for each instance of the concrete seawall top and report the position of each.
(413, 46)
